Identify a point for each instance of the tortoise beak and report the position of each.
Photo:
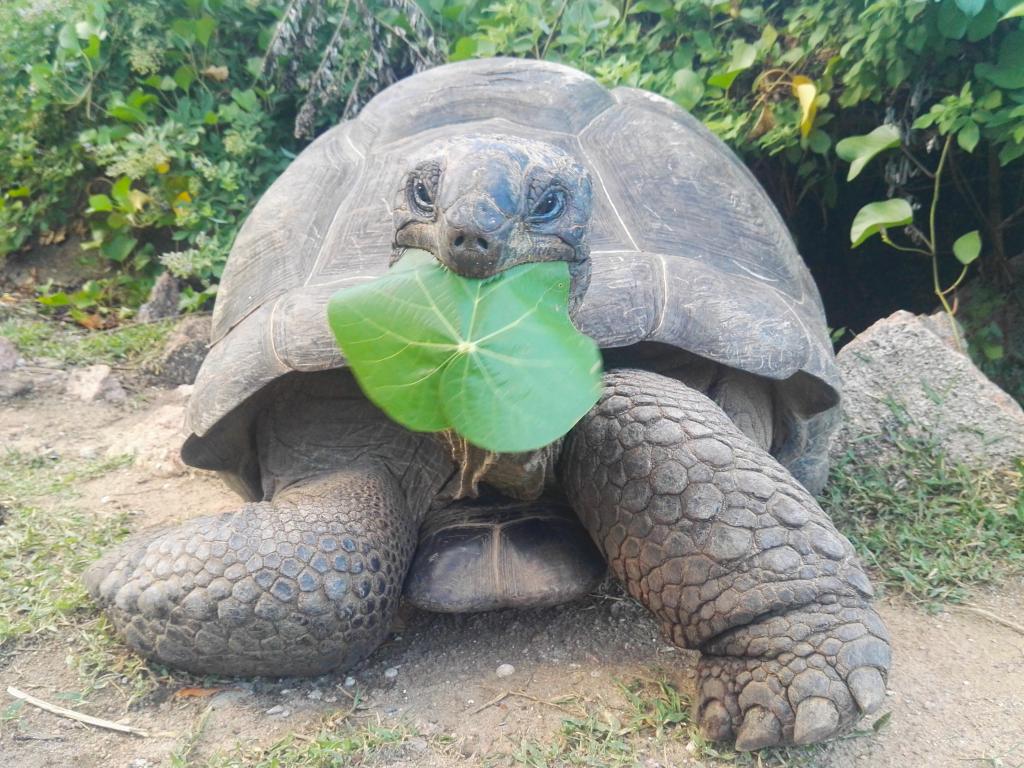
(472, 237)
(469, 252)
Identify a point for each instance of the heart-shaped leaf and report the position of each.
(971, 7)
(1009, 72)
(498, 360)
(688, 87)
(858, 150)
(875, 217)
(967, 247)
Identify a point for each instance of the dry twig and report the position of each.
(99, 722)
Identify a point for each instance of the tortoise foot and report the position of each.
(298, 586)
(799, 678)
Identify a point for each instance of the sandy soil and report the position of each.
(956, 695)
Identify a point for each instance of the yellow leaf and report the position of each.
(805, 91)
(138, 198)
(163, 167)
(765, 122)
(220, 74)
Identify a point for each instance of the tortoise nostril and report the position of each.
(481, 244)
(459, 241)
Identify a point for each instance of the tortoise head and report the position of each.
(482, 204)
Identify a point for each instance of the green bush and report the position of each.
(159, 123)
(146, 119)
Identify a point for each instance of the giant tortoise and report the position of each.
(693, 474)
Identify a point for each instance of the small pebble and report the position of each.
(350, 682)
(278, 711)
(391, 673)
(505, 670)
(315, 694)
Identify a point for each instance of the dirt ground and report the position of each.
(956, 694)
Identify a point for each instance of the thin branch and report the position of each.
(99, 722)
(965, 190)
(888, 241)
(554, 28)
(915, 161)
(991, 617)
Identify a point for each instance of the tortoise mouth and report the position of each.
(477, 254)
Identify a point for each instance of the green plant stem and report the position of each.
(932, 239)
(908, 249)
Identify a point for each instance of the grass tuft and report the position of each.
(125, 345)
(930, 527)
(340, 742)
(46, 542)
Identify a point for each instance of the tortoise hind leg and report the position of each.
(486, 554)
(297, 586)
(734, 557)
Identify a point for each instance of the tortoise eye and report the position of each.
(422, 200)
(549, 207)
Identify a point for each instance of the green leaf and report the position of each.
(877, 217)
(967, 247)
(204, 28)
(971, 7)
(247, 99)
(951, 22)
(100, 203)
(119, 191)
(184, 76)
(968, 136)
(184, 28)
(58, 299)
(497, 360)
(465, 48)
(119, 248)
(92, 49)
(858, 150)
(1014, 13)
(688, 88)
(1009, 72)
(743, 56)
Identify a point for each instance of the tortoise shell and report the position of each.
(686, 248)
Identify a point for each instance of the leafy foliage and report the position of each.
(142, 118)
(497, 360)
(150, 128)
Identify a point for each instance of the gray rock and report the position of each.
(14, 384)
(229, 698)
(163, 300)
(391, 674)
(505, 670)
(278, 711)
(183, 353)
(904, 375)
(96, 382)
(8, 354)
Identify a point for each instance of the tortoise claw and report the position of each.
(715, 722)
(760, 729)
(868, 688)
(816, 719)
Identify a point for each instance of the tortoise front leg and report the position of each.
(299, 585)
(734, 557)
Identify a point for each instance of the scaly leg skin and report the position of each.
(735, 559)
(298, 586)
